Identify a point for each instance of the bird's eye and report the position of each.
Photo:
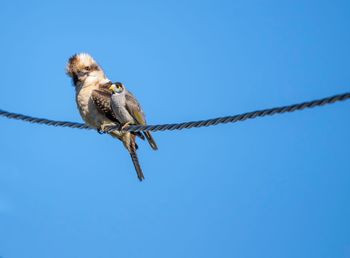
(87, 68)
(119, 88)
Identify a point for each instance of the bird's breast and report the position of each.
(119, 108)
(87, 108)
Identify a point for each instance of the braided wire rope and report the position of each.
(187, 125)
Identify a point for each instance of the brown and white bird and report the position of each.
(93, 98)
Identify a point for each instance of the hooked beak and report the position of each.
(82, 74)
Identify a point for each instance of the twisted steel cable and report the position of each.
(188, 125)
(43, 121)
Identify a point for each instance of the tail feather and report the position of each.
(140, 135)
(137, 166)
(151, 141)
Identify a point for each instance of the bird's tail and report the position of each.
(151, 141)
(135, 160)
(139, 134)
(137, 166)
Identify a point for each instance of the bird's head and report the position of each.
(117, 88)
(82, 65)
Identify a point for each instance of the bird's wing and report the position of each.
(102, 100)
(134, 108)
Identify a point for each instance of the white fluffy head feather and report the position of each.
(80, 66)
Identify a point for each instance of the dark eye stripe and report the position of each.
(94, 67)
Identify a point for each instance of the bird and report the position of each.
(128, 111)
(93, 99)
(88, 77)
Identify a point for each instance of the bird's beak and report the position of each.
(112, 88)
(81, 74)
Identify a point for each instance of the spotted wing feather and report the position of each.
(102, 100)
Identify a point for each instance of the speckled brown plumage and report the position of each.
(102, 100)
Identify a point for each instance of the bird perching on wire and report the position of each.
(128, 111)
(101, 105)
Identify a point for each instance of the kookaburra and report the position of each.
(94, 101)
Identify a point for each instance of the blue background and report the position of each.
(271, 187)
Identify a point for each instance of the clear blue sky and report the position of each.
(272, 187)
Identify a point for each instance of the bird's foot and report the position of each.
(110, 128)
(100, 131)
(124, 126)
(106, 128)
